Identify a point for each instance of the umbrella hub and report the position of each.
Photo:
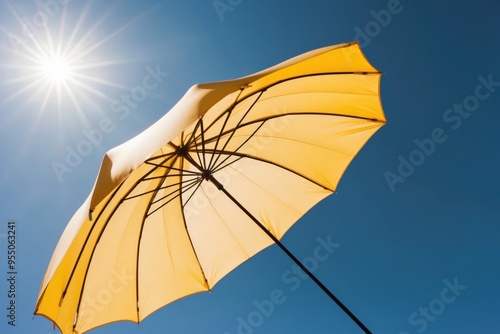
(182, 151)
(206, 174)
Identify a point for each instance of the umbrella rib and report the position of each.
(173, 168)
(161, 165)
(191, 137)
(203, 144)
(228, 114)
(190, 196)
(233, 131)
(189, 235)
(195, 140)
(160, 177)
(170, 200)
(238, 148)
(166, 155)
(188, 183)
(306, 143)
(228, 164)
(242, 155)
(316, 113)
(160, 188)
(227, 111)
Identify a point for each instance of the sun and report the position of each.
(62, 66)
(56, 69)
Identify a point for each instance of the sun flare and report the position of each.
(55, 69)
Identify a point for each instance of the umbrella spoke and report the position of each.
(170, 200)
(189, 235)
(263, 119)
(166, 155)
(183, 171)
(190, 196)
(162, 176)
(228, 111)
(191, 137)
(160, 188)
(168, 175)
(195, 139)
(221, 166)
(238, 148)
(228, 114)
(203, 144)
(160, 165)
(180, 189)
(235, 129)
(243, 155)
(169, 156)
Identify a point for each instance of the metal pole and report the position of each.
(209, 176)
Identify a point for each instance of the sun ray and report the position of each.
(76, 29)
(100, 81)
(62, 26)
(24, 89)
(92, 90)
(107, 38)
(106, 63)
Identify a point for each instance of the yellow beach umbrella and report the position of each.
(224, 174)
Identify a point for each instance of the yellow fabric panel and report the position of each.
(321, 94)
(66, 312)
(275, 198)
(109, 293)
(341, 58)
(67, 238)
(52, 304)
(168, 267)
(211, 218)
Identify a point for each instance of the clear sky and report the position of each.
(414, 229)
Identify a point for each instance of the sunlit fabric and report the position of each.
(160, 229)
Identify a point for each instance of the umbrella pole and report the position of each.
(287, 252)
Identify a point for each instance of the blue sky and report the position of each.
(415, 222)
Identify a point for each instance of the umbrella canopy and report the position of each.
(179, 206)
